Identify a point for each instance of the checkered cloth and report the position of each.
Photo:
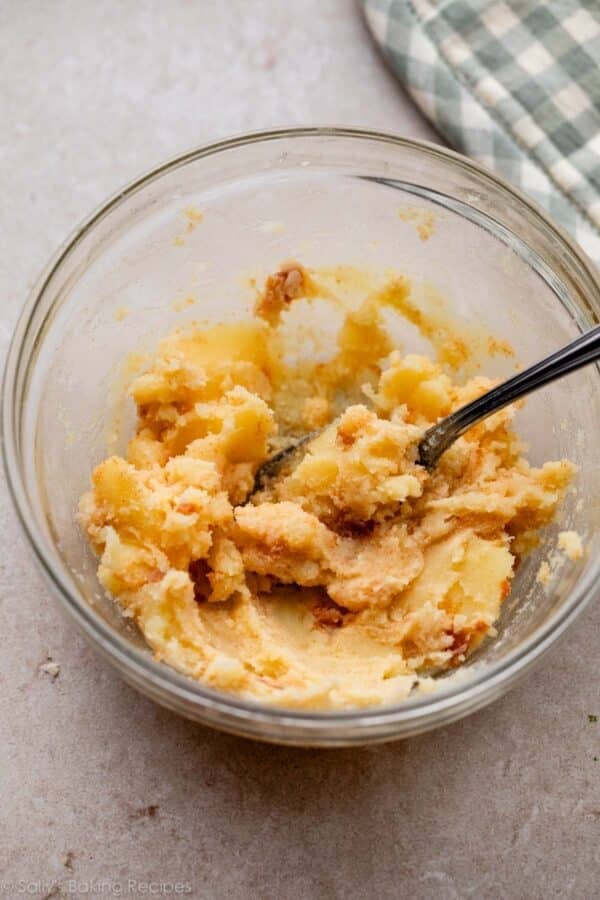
(515, 84)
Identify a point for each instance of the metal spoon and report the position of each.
(583, 350)
(436, 440)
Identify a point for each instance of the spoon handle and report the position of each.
(583, 350)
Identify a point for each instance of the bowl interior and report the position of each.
(146, 265)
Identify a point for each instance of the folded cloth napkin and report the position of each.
(515, 84)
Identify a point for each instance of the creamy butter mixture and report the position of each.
(354, 574)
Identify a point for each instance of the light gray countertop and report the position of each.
(97, 782)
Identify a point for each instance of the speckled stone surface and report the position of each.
(103, 792)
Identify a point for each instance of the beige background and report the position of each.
(97, 782)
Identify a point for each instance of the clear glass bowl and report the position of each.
(328, 196)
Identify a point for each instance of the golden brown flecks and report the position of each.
(327, 614)
(423, 220)
(496, 347)
(194, 217)
(121, 314)
(290, 283)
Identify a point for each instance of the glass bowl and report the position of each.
(327, 196)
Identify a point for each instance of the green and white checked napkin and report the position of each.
(515, 84)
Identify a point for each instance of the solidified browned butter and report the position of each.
(353, 574)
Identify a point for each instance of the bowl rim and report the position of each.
(144, 668)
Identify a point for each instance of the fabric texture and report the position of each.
(514, 84)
